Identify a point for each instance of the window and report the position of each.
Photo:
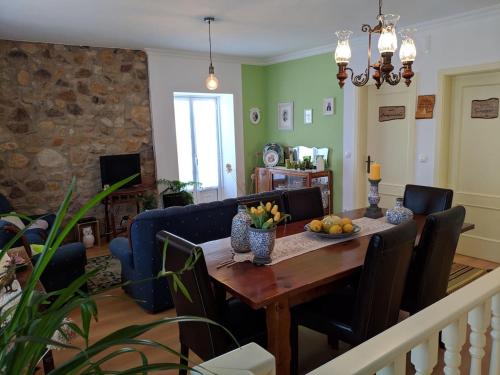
(197, 124)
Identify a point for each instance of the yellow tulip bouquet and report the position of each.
(266, 216)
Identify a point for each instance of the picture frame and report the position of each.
(308, 116)
(328, 106)
(285, 116)
(255, 115)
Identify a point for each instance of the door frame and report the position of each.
(442, 145)
(360, 198)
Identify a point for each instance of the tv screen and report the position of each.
(115, 168)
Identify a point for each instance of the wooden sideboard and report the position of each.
(280, 178)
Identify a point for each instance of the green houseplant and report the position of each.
(176, 192)
(29, 327)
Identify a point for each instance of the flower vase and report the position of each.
(239, 230)
(262, 244)
(399, 214)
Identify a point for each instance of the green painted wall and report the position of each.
(254, 95)
(305, 82)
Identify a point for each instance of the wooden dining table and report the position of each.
(291, 282)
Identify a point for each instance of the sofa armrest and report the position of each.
(120, 248)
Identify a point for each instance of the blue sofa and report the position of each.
(197, 223)
(68, 262)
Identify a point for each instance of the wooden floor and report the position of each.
(117, 311)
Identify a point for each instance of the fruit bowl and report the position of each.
(355, 229)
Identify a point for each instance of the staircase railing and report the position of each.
(476, 305)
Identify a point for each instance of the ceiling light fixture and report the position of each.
(212, 82)
(387, 45)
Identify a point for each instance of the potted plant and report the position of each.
(262, 231)
(39, 321)
(176, 193)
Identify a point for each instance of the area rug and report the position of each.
(108, 276)
(462, 275)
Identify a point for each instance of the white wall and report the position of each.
(170, 73)
(466, 40)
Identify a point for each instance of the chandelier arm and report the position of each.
(360, 79)
(393, 78)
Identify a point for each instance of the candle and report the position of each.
(375, 171)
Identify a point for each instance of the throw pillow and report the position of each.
(14, 220)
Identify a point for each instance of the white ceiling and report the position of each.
(252, 28)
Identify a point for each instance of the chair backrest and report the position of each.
(206, 340)
(425, 200)
(382, 280)
(431, 265)
(304, 203)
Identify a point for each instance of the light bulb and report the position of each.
(408, 51)
(388, 41)
(343, 50)
(212, 82)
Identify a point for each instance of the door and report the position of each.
(389, 143)
(197, 124)
(474, 160)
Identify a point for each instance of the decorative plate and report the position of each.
(254, 115)
(356, 229)
(271, 158)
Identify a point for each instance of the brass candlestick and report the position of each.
(374, 211)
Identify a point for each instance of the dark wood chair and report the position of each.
(425, 200)
(432, 259)
(208, 340)
(369, 305)
(304, 204)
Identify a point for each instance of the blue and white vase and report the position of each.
(239, 230)
(399, 214)
(262, 244)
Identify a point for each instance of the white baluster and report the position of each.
(495, 335)
(424, 356)
(453, 337)
(397, 367)
(478, 321)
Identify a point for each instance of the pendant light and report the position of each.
(212, 81)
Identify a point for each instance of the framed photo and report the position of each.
(255, 115)
(328, 106)
(308, 116)
(285, 116)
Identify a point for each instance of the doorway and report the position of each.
(389, 143)
(471, 142)
(204, 144)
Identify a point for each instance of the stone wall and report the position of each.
(61, 107)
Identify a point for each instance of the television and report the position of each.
(115, 168)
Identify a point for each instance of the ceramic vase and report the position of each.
(399, 214)
(239, 230)
(262, 244)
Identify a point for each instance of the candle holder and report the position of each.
(374, 211)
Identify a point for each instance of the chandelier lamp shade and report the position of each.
(387, 46)
(212, 82)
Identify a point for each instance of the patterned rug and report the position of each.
(109, 276)
(462, 275)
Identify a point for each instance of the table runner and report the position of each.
(304, 242)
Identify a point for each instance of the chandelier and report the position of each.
(211, 82)
(387, 45)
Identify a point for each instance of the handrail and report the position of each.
(385, 348)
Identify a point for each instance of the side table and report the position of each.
(122, 196)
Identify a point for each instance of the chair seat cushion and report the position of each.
(331, 315)
(246, 324)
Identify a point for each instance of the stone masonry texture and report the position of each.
(61, 107)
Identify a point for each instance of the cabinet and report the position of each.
(281, 178)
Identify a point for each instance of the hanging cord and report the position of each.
(210, 41)
(379, 8)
